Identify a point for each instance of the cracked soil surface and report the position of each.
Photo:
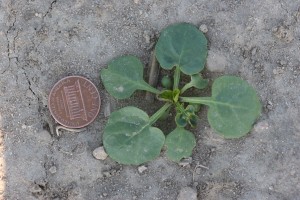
(42, 41)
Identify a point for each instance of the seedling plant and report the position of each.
(130, 137)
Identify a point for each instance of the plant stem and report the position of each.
(197, 100)
(209, 101)
(176, 78)
(186, 87)
(149, 88)
(159, 113)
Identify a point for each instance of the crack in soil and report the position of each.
(283, 7)
(9, 48)
(50, 8)
(29, 84)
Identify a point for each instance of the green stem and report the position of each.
(197, 100)
(176, 78)
(209, 101)
(149, 88)
(179, 107)
(159, 113)
(186, 87)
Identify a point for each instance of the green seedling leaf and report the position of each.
(124, 76)
(193, 120)
(192, 108)
(166, 82)
(166, 95)
(169, 95)
(129, 137)
(182, 45)
(181, 120)
(176, 93)
(233, 107)
(196, 81)
(180, 144)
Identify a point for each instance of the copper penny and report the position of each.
(74, 102)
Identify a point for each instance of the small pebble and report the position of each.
(40, 15)
(147, 37)
(36, 189)
(185, 162)
(104, 194)
(142, 168)
(107, 110)
(271, 188)
(203, 28)
(270, 105)
(261, 126)
(52, 170)
(254, 50)
(44, 136)
(107, 174)
(283, 62)
(187, 193)
(99, 153)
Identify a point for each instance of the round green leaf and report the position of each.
(234, 108)
(129, 138)
(180, 144)
(182, 45)
(123, 76)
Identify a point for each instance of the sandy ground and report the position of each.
(42, 41)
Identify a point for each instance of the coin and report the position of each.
(74, 102)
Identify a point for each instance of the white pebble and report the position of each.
(203, 28)
(43, 136)
(99, 153)
(185, 162)
(142, 168)
(147, 37)
(261, 126)
(52, 170)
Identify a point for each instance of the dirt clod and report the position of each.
(187, 193)
(284, 34)
(216, 62)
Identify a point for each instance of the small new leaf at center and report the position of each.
(169, 95)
